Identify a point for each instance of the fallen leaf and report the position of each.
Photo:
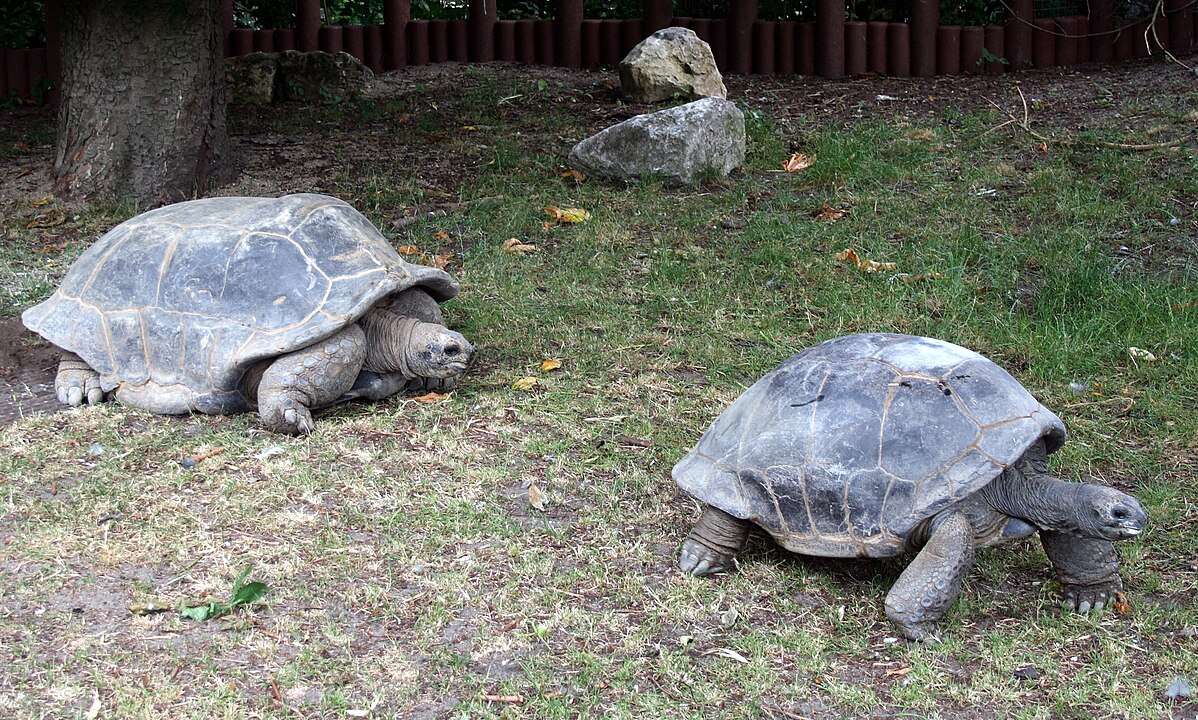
(469, 128)
(431, 397)
(1140, 354)
(567, 215)
(864, 265)
(441, 235)
(797, 162)
(728, 653)
(47, 220)
(408, 250)
(550, 365)
(504, 698)
(829, 213)
(536, 498)
(1120, 604)
(576, 175)
(515, 247)
(44, 200)
(441, 261)
(24, 147)
(524, 383)
(898, 672)
(1043, 147)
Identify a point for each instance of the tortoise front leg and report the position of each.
(714, 543)
(76, 382)
(1088, 569)
(309, 378)
(932, 582)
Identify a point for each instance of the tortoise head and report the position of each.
(435, 351)
(1106, 513)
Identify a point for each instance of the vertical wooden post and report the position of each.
(239, 41)
(656, 14)
(854, 48)
(829, 38)
(763, 47)
(1018, 38)
(226, 21)
(567, 32)
(396, 14)
(1044, 43)
(353, 41)
(742, 15)
(373, 40)
(973, 39)
(483, 14)
(1181, 25)
(54, 49)
(925, 18)
(995, 40)
(307, 25)
(1102, 43)
(948, 50)
(875, 46)
(784, 62)
(898, 45)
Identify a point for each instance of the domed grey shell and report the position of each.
(181, 301)
(848, 446)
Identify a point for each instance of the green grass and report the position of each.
(408, 574)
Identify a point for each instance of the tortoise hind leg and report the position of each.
(930, 584)
(309, 378)
(76, 382)
(714, 543)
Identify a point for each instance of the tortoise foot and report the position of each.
(289, 418)
(1084, 598)
(77, 383)
(698, 559)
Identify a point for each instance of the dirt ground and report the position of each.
(1058, 104)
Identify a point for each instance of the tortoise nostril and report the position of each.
(453, 349)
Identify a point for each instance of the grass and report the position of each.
(410, 575)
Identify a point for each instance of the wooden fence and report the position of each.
(829, 47)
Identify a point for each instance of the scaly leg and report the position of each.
(930, 584)
(1088, 569)
(714, 543)
(309, 378)
(77, 382)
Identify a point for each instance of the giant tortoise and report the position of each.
(225, 304)
(878, 444)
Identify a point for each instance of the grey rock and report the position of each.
(1179, 689)
(682, 145)
(253, 79)
(321, 76)
(671, 63)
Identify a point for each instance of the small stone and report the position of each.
(1174, 222)
(418, 568)
(188, 463)
(1027, 672)
(1078, 387)
(1188, 631)
(95, 450)
(729, 618)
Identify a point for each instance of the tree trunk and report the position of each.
(143, 103)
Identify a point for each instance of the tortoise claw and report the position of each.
(698, 559)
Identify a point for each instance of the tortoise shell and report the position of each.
(848, 446)
(181, 301)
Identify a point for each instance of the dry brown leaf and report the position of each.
(1120, 604)
(45, 200)
(536, 498)
(441, 235)
(567, 215)
(864, 265)
(797, 162)
(47, 220)
(408, 250)
(441, 261)
(525, 383)
(549, 365)
(829, 213)
(515, 247)
(575, 175)
(898, 672)
(431, 397)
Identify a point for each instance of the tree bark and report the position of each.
(143, 104)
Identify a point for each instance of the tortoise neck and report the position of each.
(1038, 498)
(388, 336)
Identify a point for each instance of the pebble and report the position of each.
(1179, 689)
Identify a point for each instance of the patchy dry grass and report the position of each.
(512, 553)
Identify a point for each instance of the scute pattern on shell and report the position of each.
(849, 445)
(176, 304)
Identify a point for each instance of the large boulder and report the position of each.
(681, 145)
(670, 63)
(321, 76)
(253, 79)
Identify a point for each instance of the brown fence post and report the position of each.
(630, 34)
(1066, 55)
(763, 47)
(264, 41)
(505, 40)
(805, 48)
(829, 38)
(590, 44)
(854, 48)
(526, 44)
(875, 46)
(925, 18)
(1181, 25)
(307, 25)
(438, 40)
(459, 40)
(741, 16)
(784, 60)
(239, 41)
(331, 39)
(609, 43)
(54, 48)
(417, 42)
(898, 49)
(544, 34)
(284, 39)
(353, 41)
(717, 30)
(372, 40)
(18, 73)
(483, 14)
(396, 14)
(655, 13)
(973, 39)
(1044, 43)
(1102, 43)
(948, 50)
(226, 21)
(567, 30)
(996, 45)
(36, 67)
(1018, 38)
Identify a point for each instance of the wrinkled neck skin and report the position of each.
(1041, 500)
(387, 338)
